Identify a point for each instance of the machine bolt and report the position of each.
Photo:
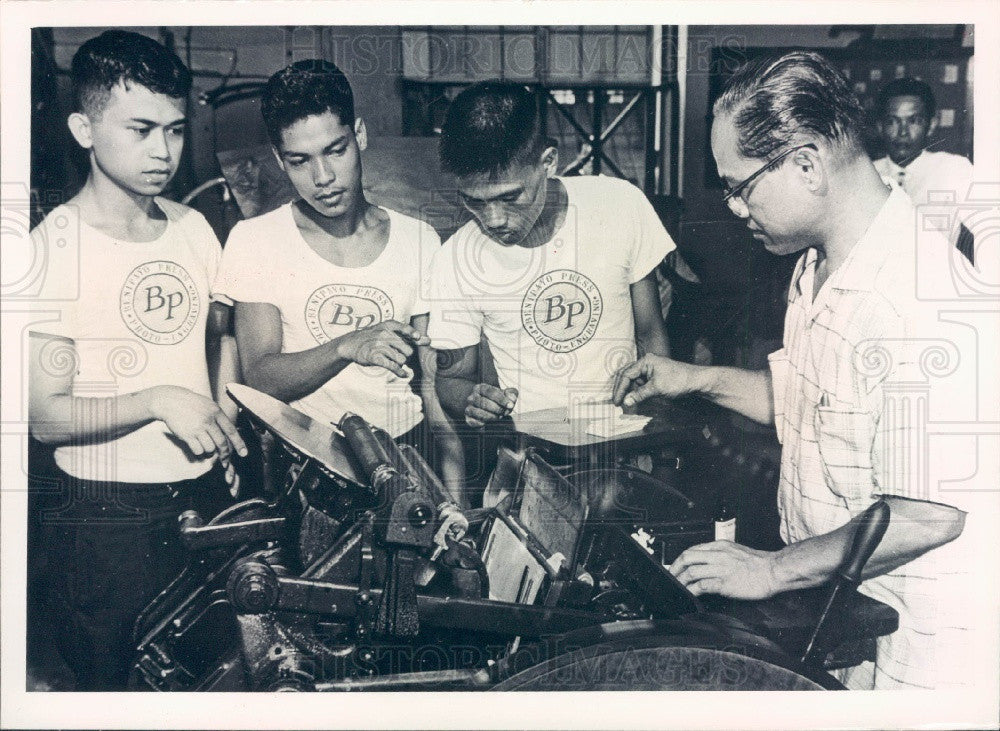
(189, 520)
(419, 515)
(253, 587)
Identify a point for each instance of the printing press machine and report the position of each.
(360, 572)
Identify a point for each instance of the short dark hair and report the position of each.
(778, 97)
(304, 89)
(906, 87)
(490, 126)
(119, 56)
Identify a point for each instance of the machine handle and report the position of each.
(370, 454)
(867, 536)
(871, 527)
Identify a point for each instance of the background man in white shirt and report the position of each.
(906, 122)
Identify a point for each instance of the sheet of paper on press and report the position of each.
(616, 423)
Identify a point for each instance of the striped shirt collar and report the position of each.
(874, 250)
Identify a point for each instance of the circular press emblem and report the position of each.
(561, 310)
(337, 309)
(160, 303)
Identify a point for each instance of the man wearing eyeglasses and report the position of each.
(786, 138)
(906, 123)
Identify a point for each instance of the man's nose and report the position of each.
(739, 207)
(494, 216)
(160, 145)
(323, 173)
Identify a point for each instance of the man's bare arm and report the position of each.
(58, 418)
(456, 375)
(222, 356)
(451, 458)
(729, 569)
(466, 392)
(650, 331)
(746, 392)
(290, 376)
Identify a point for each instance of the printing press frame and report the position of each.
(328, 586)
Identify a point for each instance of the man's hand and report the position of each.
(387, 344)
(196, 420)
(652, 375)
(488, 403)
(728, 569)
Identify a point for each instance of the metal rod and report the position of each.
(675, 110)
(413, 681)
(339, 600)
(649, 123)
(570, 118)
(202, 188)
(609, 130)
(597, 141)
(611, 164)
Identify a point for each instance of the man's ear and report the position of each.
(811, 166)
(277, 156)
(361, 133)
(79, 127)
(550, 161)
(932, 126)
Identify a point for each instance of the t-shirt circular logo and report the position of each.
(337, 309)
(561, 310)
(160, 302)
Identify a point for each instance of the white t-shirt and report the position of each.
(136, 313)
(935, 181)
(557, 317)
(266, 259)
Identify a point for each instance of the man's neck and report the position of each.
(551, 218)
(339, 227)
(907, 161)
(860, 195)
(103, 204)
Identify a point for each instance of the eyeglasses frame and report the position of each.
(739, 187)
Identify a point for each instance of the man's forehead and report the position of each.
(905, 105)
(494, 185)
(724, 140)
(315, 129)
(131, 100)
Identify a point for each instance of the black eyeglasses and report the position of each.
(737, 204)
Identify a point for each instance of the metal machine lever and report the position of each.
(871, 528)
(197, 536)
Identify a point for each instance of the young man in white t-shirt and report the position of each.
(558, 274)
(327, 289)
(119, 376)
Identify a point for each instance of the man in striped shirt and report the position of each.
(850, 388)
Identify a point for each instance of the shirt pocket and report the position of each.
(845, 447)
(778, 365)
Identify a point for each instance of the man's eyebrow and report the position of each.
(339, 141)
(505, 194)
(154, 123)
(292, 153)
